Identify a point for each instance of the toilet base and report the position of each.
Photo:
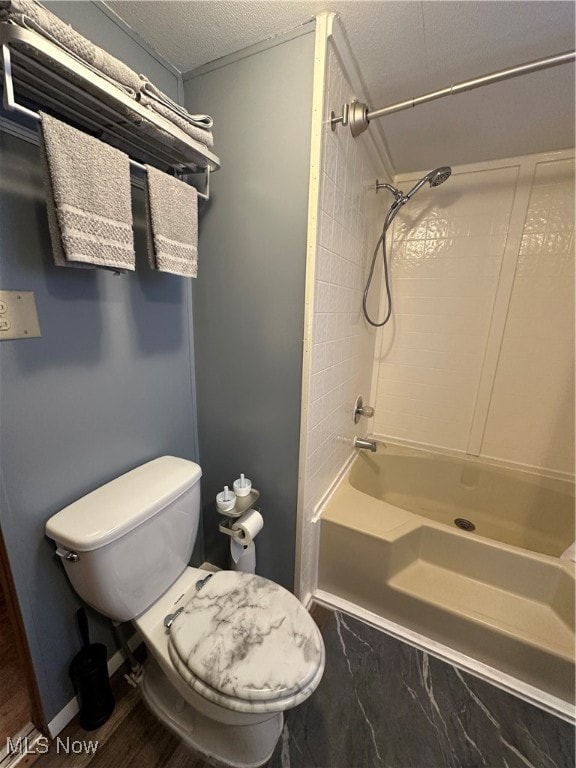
(240, 746)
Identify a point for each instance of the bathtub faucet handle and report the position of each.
(362, 410)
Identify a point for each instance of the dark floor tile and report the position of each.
(384, 704)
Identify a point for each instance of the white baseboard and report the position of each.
(58, 723)
(63, 717)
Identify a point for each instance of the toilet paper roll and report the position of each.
(236, 552)
(248, 526)
(244, 559)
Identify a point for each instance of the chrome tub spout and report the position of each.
(360, 442)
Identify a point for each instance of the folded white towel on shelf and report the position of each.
(570, 553)
(88, 198)
(172, 224)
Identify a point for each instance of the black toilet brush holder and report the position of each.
(89, 674)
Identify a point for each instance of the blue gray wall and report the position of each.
(109, 385)
(249, 296)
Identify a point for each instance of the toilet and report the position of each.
(228, 652)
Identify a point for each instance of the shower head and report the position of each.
(434, 178)
(440, 175)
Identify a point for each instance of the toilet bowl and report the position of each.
(230, 711)
(229, 652)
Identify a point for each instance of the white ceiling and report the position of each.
(404, 49)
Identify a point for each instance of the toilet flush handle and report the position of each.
(65, 554)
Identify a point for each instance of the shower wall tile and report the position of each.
(342, 345)
(531, 417)
(447, 256)
(447, 250)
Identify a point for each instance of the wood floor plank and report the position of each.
(126, 698)
(15, 709)
(132, 738)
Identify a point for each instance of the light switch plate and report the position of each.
(18, 316)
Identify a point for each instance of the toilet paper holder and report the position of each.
(243, 504)
(226, 527)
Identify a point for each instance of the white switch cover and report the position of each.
(18, 316)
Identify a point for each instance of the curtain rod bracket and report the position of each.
(358, 118)
(355, 115)
(343, 118)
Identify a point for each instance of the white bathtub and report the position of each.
(499, 594)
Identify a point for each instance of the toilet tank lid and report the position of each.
(122, 504)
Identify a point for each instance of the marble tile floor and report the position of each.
(385, 704)
(381, 704)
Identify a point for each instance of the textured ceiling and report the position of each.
(404, 49)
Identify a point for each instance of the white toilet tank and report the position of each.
(125, 543)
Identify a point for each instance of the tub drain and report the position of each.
(466, 525)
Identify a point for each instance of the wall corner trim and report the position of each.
(377, 147)
(323, 27)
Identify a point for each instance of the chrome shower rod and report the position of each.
(358, 115)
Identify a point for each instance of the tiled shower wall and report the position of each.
(479, 356)
(342, 346)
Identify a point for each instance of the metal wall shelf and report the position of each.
(36, 69)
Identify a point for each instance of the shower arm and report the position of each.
(358, 115)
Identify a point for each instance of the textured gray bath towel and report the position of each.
(151, 91)
(172, 218)
(88, 198)
(33, 15)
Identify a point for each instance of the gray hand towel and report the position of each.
(172, 218)
(88, 198)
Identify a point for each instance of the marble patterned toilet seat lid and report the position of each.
(247, 638)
